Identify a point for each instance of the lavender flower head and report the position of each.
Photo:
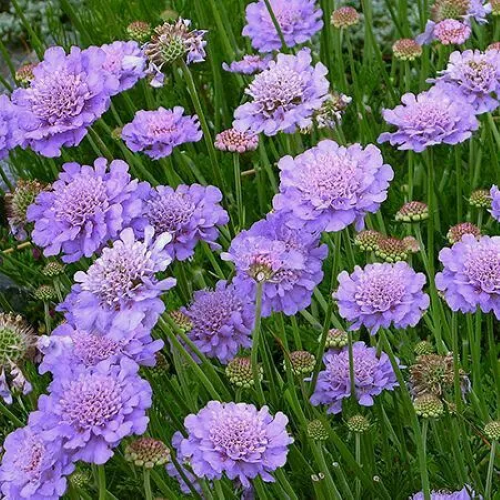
(372, 375)
(475, 76)
(495, 203)
(288, 262)
(68, 94)
(329, 186)
(236, 439)
(119, 290)
(249, 65)
(284, 97)
(94, 409)
(9, 132)
(471, 274)
(86, 207)
(381, 295)
(157, 133)
(437, 116)
(32, 467)
(190, 214)
(69, 347)
(464, 494)
(222, 321)
(299, 20)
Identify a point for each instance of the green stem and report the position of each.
(276, 25)
(237, 187)
(425, 428)
(357, 444)
(256, 341)
(489, 476)
(100, 478)
(351, 367)
(148, 495)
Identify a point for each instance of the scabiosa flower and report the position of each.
(284, 97)
(471, 274)
(249, 65)
(236, 439)
(287, 261)
(372, 375)
(86, 207)
(406, 49)
(10, 136)
(438, 116)
(157, 133)
(299, 21)
(380, 295)
(94, 409)
(140, 31)
(493, 46)
(120, 290)
(345, 17)
(68, 93)
(188, 213)
(495, 203)
(455, 233)
(32, 467)
(465, 493)
(329, 186)
(474, 75)
(450, 32)
(222, 321)
(236, 142)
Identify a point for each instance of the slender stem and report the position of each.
(148, 495)
(256, 341)
(46, 315)
(489, 476)
(100, 477)
(237, 187)
(357, 444)
(425, 428)
(276, 25)
(351, 367)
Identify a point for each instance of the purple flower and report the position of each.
(236, 439)
(68, 347)
(329, 186)
(157, 133)
(464, 494)
(372, 374)
(475, 76)
(381, 295)
(188, 213)
(284, 97)
(438, 116)
(471, 274)
(299, 21)
(222, 321)
(287, 261)
(452, 32)
(249, 65)
(94, 409)
(68, 94)
(86, 207)
(32, 467)
(119, 290)
(9, 131)
(495, 203)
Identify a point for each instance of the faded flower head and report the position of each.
(236, 142)
(413, 211)
(17, 203)
(407, 49)
(368, 240)
(450, 9)
(239, 372)
(157, 133)
(236, 439)
(86, 207)
(437, 116)
(299, 20)
(494, 198)
(428, 406)
(372, 375)
(94, 409)
(331, 112)
(345, 17)
(249, 65)
(336, 339)
(120, 290)
(471, 274)
(24, 74)
(288, 262)
(328, 187)
(284, 97)
(480, 198)
(140, 31)
(190, 214)
(10, 135)
(452, 32)
(381, 295)
(456, 232)
(147, 452)
(68, 93)
(222, 321)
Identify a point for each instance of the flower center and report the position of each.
(91, 349)
(30, 458)
(483, 270)
(379, 291)
(428, 117)
(479, 75)
(364, 364)
(170, 212)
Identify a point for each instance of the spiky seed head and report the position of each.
(147, 452)
(428, 406)
(358, 423)
(17, 339)
(316, 431)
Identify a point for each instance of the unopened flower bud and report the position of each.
(492, 430)
(147, 452)
(302, 362)
(316, 431)
(428, 406)
(358, 423)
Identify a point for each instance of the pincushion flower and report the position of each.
(249, 65)
(475, 76)
(68, 347)
(329, 186)
(380, 295)
(32, 467)
(190, 214)
(452, 32)
(68, 94)
(465, 493)
(437, 116)
(86, 207)
(236, 439)
(9, 131)
(372, 374)
(287, 261)
(284, 97)
(299, 21)
(495, 203)
(471, 274)
(120, 290)
(157, 133)
(94, 409)
(222, 321)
